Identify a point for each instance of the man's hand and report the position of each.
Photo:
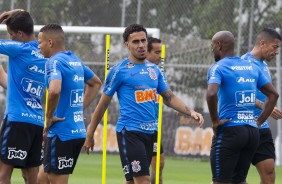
(276, 113)
(88, 144)
(5, 15)
(215, 125)
(198, 117)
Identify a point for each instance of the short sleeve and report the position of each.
(88, 73)
(113, 81)
(162, 82)
(262, 79)
(214, 74)
(53, 70)
(10, 48)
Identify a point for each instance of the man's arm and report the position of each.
(95, 120)
(276, 113)
(92, 88)
(54, 91)
(174, 102)
(272, 97)
(3, 77)
(5, 15)
(212, 101)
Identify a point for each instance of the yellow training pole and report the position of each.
(105, 128)
(160, 121)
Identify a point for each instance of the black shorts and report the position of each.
(156, 144)
(232, 151)
(60, 156)
(266, 149)
(20, 144)
(135, 149)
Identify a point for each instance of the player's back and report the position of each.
(68, 68)
(238, 80)
(25, 85)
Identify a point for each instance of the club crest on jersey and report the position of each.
(130, 65)
(136, 166)
(152, 73)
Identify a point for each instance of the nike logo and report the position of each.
(133, 74)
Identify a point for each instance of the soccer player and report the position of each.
(154, 56)
(136, 82)
(266, 47)
(232, 84)
(22, 128)
(65, 75)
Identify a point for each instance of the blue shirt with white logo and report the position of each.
(264, 68)
(25, 85)
(136, 86)
(238, 80)
(68, 68)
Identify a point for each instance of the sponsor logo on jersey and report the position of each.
(64, 163)
(74, 63)
(152, 73)
(33, 116)
(245, 115)
(78, 116)
(55, 67)
(129, 65)
(242, 67)
(145, 95)
(136, 166)
(34, 88)
(34, 68)
(19, 154)
(143, 72)
(76, 98)
(245, 98)
(245, 80)
(76, 78)
(37, 54)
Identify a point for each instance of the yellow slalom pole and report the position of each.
(160, 122)
(105, 128)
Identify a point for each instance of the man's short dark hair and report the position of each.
(53, 28)
(268, 34)
(20, 21)
(152, 40)
(131, 29)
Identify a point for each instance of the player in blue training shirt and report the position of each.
(21, 130)
(136, 81)
(67, 77)
(154, 56)
(266, 48)
(231, 95)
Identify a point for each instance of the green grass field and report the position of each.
(177, 171)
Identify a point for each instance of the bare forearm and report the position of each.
(53, 100)
(98, 114)
(259, 104)
(268, 107)
(3, 77)
(89, 95)
(212, 105)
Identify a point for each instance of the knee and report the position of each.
(42, 178)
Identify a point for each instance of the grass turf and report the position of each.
(177, 171)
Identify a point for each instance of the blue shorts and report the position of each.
(135, 149)
(232, 151)
(21, 144)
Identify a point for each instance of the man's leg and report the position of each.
(42, 177)
(266, 170)
(58, 179)
(153, 169)
(30, 175)
(5, 173)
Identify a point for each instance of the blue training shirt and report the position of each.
(136, 86)
(68, 68)
(238, 80)
(259, 95)
(25, 85)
